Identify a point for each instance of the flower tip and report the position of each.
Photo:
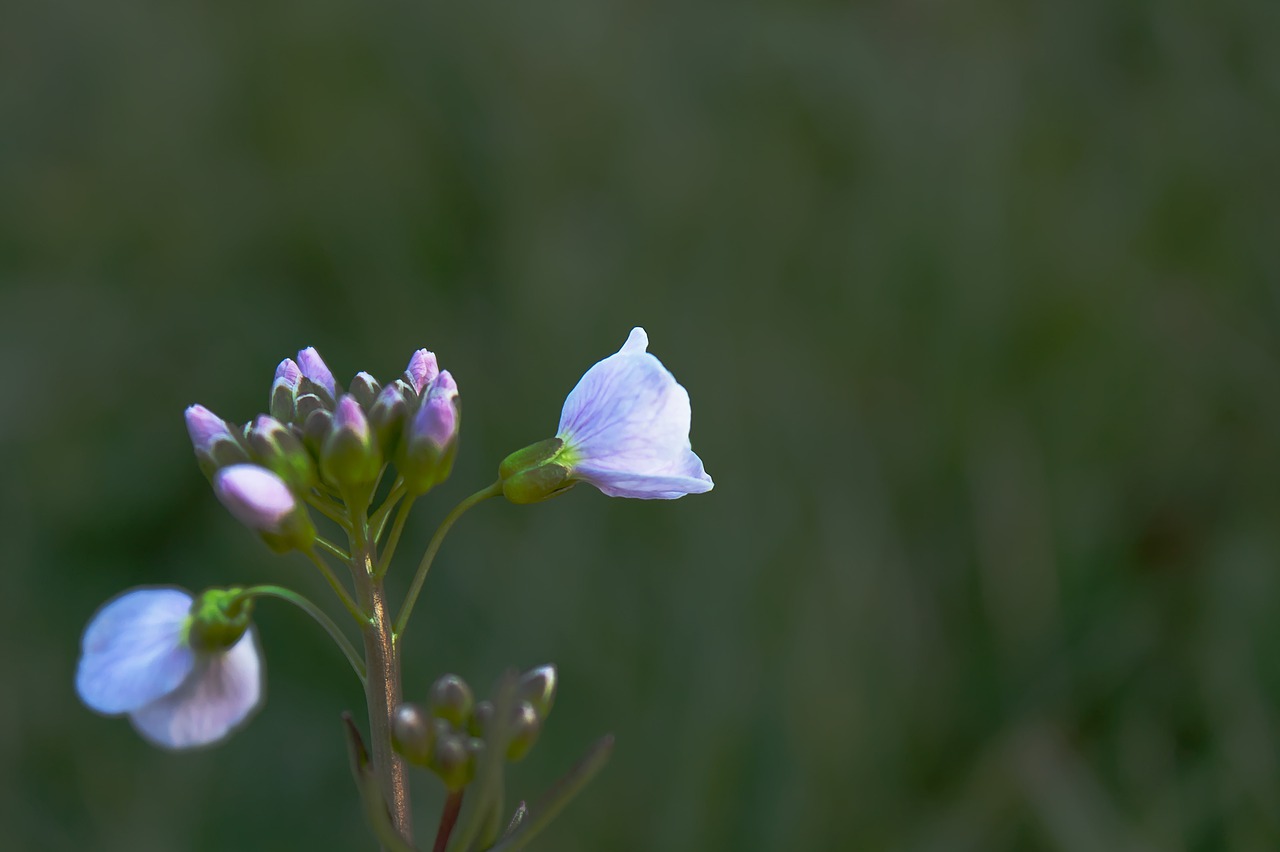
(289, 372)
(258, 498)
(313, 367)
(637, 342)
(422, 369)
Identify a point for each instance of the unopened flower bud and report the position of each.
(453, 762)
(316, 428)
(364, 388)
(387, 417)
(450, 698)
(277, 448)
(314, 368)
(412, 734)
(524, 728)
(262, 501)
(431, 438)
(284, 390)
(348, 456)
(422, 370)
(219, 617)
(538, 687)
(481, 719)
(215, 444)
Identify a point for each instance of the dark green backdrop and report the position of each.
(978, 305)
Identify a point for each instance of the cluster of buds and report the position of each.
(452, 733)
(321, 440)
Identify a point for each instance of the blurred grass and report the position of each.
(977, 306)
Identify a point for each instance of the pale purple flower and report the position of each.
(422, 369)
(258, 498)
(135, 659)
(315, 369)
(437, 417)
(625, 427)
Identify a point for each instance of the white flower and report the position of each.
(625, 428)
(136, 659)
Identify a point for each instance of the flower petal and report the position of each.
(133, 650)
(626, 428)
(220, 694)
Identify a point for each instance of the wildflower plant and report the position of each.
(187, 671)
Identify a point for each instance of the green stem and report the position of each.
(382, 656)
(304, 604)
(330, 508)
(378, 520)
(427, 558)
(332, 549)
(397, 527)
(338, 588)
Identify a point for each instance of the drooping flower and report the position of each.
(186, 672)
(625, 428)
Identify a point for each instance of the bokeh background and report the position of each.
(978, 306)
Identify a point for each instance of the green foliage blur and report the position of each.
(978, 306)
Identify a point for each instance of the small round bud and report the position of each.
(538, 687)
(453, 762)
(277, 448)
(525, 726)
(348, 456)
(422, 369)
(284, 391)
(412, 734)
(450, 698)
(215, 444)
(430, 438)
(387, 417)
(481, 719)
(315, 370)
(365, 388)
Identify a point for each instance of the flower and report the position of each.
(144, 655)
(625, 428)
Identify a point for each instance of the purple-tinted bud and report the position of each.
(349, 458)
(422, 370)
(284, 390)
(431, 440)
(212, 439)
(364, 388)
(387, 416)
(538, 687)
(277, 447)
(262, 501)
(314, 368)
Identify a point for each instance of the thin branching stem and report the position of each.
(307, 606)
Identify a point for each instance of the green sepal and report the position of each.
(538, 484)
(218, 618)
(529, 457)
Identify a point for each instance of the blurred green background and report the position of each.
(977, 305)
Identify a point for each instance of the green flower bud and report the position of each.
(481, 719)
(412, 734)
(387, 417)
(524, 728)
(450, 698)
(348, 457)
(364, 388)
(280, 450)
(453, 762)
(538, 687)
